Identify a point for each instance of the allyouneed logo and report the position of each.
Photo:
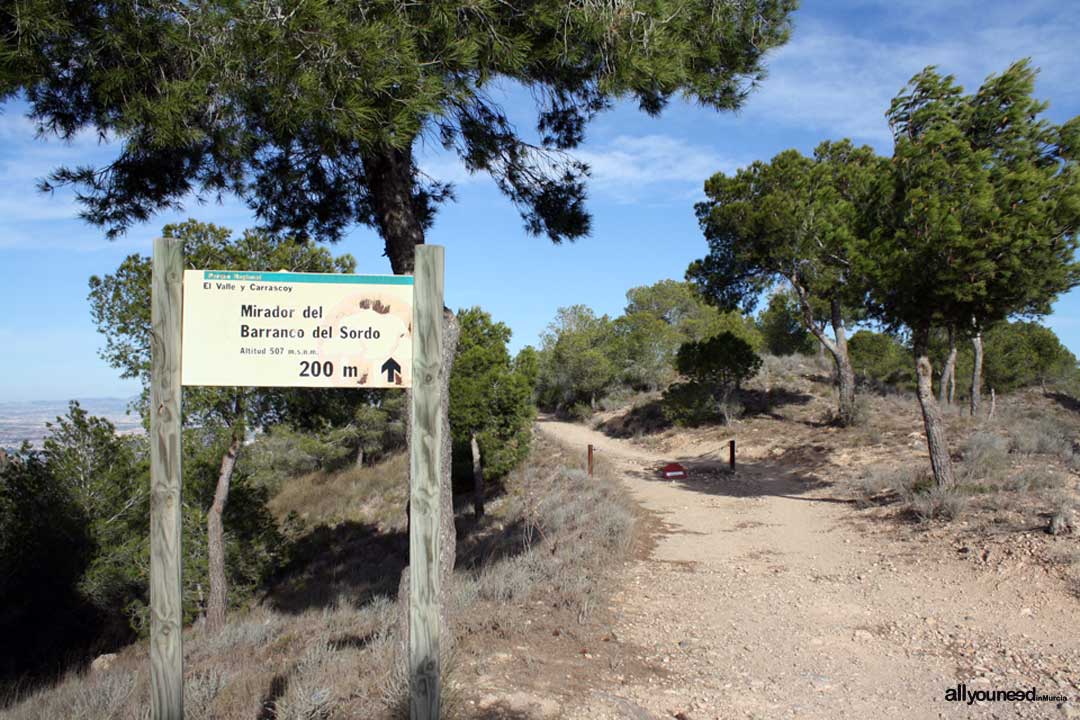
(961, 693)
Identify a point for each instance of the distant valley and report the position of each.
(25, 421)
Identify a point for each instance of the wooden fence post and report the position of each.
(731, 453)
(424, 461)
(166, 602)
(590, 461)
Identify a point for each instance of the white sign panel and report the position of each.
(285, 329)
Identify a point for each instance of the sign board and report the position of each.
(673, 471)
(286, 329)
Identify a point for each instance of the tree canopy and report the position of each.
(1020, 354)
(576, 363)
(980, 210)
(782, 327)
(310, 111)
(795, 220)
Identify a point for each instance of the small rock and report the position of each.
(863, 635)
(102, 662)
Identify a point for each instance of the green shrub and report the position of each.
(578, 412)
(881, 359)
(716, 367)
(689, 404)
(282, 453)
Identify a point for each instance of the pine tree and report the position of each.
(977, 219)
(491, 408)
(795, 220)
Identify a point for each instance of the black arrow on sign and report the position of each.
(391, 368)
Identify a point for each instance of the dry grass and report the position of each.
(937, 503)
(1013, 471)
(985, 459)
(914, 489)
(373, 495)
(263, 665)
(549, 538)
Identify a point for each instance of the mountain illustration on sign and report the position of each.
(392, 370)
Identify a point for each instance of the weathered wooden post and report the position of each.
(424, 461)
(590, 461)
(166, 602)
(731, 453)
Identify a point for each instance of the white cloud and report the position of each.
(839, 78)
(628, 168)
(30, 219)
(625, 169)
(25, 159)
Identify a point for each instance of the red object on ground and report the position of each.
(672, 471)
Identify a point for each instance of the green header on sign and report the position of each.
(291, 277)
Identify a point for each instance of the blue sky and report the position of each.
(834, 79)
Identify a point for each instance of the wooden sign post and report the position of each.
(166, 601)
(286, 329)
(425, 452)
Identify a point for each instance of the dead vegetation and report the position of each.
(1011, 470)
(323, 643)
(367, 494)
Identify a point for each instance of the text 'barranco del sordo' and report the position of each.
(285, 329)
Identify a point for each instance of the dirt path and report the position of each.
(765, 600)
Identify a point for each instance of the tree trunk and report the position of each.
(360, 456)
(976, 373)
(948, 372)
(952, 385)
(845, 375)
(940, 460)
(478, 478)
(390, 177)
(215, 541)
